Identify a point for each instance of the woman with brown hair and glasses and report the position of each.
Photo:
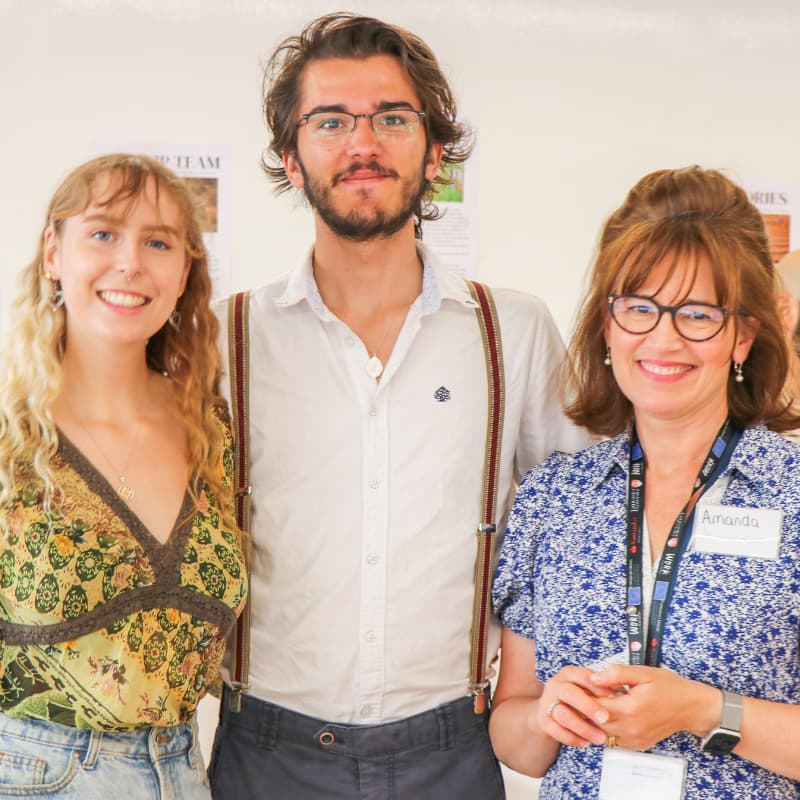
(648, 585)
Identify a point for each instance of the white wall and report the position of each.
(575, 99)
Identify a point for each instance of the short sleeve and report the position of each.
(512, 592)
(543, 428)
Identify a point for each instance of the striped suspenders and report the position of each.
(486, 314)
(487, 527)
(239, 369)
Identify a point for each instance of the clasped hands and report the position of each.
(631, 706)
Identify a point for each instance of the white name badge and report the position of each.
(627, 774)
(734, 531)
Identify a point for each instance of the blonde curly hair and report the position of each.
(31, 364)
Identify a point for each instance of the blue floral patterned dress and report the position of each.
(733, 622)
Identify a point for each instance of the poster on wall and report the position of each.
(206, 169)
(779, 205)
(454, 236)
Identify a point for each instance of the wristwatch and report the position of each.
(726, 735)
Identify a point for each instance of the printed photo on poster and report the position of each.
(454, 236)
(779, 205)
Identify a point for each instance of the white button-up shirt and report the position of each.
(367, 494)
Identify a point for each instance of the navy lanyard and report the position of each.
(667, 570)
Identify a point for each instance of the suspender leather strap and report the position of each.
(487, 527)
(239, 370)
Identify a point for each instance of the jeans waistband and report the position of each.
(438, 728)
(149, 742)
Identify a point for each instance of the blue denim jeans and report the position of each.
(48, 760)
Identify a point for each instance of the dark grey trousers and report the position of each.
(266, 751)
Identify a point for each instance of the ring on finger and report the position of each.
(552, 707)
(612, 741)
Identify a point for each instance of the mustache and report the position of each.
(372, 166)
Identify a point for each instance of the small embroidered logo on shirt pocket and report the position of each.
(442, 394)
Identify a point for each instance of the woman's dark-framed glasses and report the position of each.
(696, 322)
(393, 123)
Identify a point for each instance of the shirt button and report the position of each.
(365, 711)
(373, 412)
(370, 636)
(372, 558)
(350, 341)
(374, 483)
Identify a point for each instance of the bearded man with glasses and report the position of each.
(368, 421)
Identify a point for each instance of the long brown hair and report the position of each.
(677, 216)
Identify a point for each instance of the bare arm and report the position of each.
(524, 736)
(771, 736)
(660, 702)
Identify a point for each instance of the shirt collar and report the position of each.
(445, 284)
(757, 459)
(301, 285)
(754, 458)
(438, 284)
(610, 455)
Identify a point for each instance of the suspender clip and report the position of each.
(235, 696)
(479, 696)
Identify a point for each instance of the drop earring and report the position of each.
(737, 368)
(56, 299)
(174, 319)
(607, 359)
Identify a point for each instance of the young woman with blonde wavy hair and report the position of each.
(121, 569)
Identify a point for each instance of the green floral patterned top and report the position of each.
(101, 625)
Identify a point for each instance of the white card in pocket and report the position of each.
(735, 531)
(628, 773)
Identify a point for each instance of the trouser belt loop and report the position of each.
(445, 719)
(93, 750)
(268, 727)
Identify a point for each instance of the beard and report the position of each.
(364, 225)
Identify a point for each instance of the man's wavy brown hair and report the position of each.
(343, 35)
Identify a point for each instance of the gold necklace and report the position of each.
(124, 489)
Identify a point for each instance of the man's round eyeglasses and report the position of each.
(696, 322)
(393, 124)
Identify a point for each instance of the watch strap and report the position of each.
(732, 708)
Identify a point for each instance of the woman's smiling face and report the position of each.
(664, 375)
(121, 266)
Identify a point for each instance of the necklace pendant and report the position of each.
(125, 491)
(374, 367)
